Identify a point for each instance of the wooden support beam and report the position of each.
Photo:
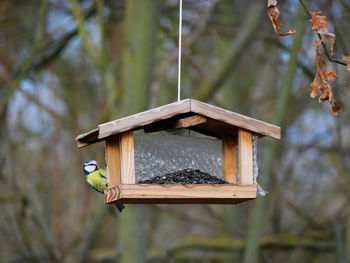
(245, 155)
(175, 124)
(113, 161)
(180, 194)
(229, 159)
(127, 159)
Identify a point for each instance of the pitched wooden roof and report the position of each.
(217, 122)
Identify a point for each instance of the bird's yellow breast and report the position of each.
(96, 181)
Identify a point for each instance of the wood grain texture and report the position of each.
(113, 161)
(141, 119)
(191, 121)
(235, 119)
(175, 124)
(180, 194)
(219, 122)
(127, 158)
(87, 138)
(245, 157)
(229, 164)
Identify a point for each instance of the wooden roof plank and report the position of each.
(141, 119)
(87, 138)
(235, 119)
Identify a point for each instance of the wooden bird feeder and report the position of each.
(235, 130)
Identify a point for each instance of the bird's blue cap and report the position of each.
(90, 162)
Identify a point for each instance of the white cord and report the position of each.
(179, 58)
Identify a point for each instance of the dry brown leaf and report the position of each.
(330, 74)
(316, 43)
(318, 21)
(319, 24)
(274, 14)
(325, 34)
(320, 82)
(335, 109)
(347, 60)
(331, 43)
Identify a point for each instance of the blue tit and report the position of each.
(96, 178)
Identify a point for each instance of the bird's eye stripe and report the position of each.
(90, 168)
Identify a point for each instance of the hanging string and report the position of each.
(179, 56)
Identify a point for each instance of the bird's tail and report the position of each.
(120, 207)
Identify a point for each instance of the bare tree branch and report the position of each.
(60, 45)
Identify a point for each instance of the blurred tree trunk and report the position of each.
(270, 152)
(140, 39)
(141, 23)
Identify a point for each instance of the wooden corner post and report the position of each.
(229, 159)
(120, 159)
(113, 161)
(127, 158)
(245, 156)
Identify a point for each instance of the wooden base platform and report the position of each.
(180, 194)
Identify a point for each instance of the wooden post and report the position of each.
(127, 159)
(229, 159)
(245, 155)
(113, 161)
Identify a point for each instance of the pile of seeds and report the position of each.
(186, 176)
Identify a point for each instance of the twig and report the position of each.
(303, 5)
(327, 54)
(320, 37)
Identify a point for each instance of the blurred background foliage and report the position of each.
(66, 66)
